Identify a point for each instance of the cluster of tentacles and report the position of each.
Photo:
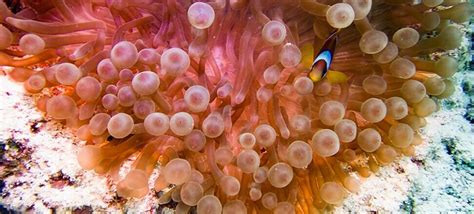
(217, 93)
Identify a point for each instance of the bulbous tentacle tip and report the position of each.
(201, 15)
(340, 15)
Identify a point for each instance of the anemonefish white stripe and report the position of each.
(325, 55)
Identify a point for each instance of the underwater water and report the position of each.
(236, 106)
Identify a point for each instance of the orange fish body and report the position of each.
(323, 59)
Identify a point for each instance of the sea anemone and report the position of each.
(218, 95)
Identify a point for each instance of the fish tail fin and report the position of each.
(336, 77)
(307, 53)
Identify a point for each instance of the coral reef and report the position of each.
(221, 96)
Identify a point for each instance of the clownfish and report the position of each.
(319, 67)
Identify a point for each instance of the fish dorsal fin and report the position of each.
(331, 40)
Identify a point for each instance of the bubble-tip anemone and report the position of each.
(217, 93)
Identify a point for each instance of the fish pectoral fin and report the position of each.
(315, 75)
(307, 55)
(336, 77)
